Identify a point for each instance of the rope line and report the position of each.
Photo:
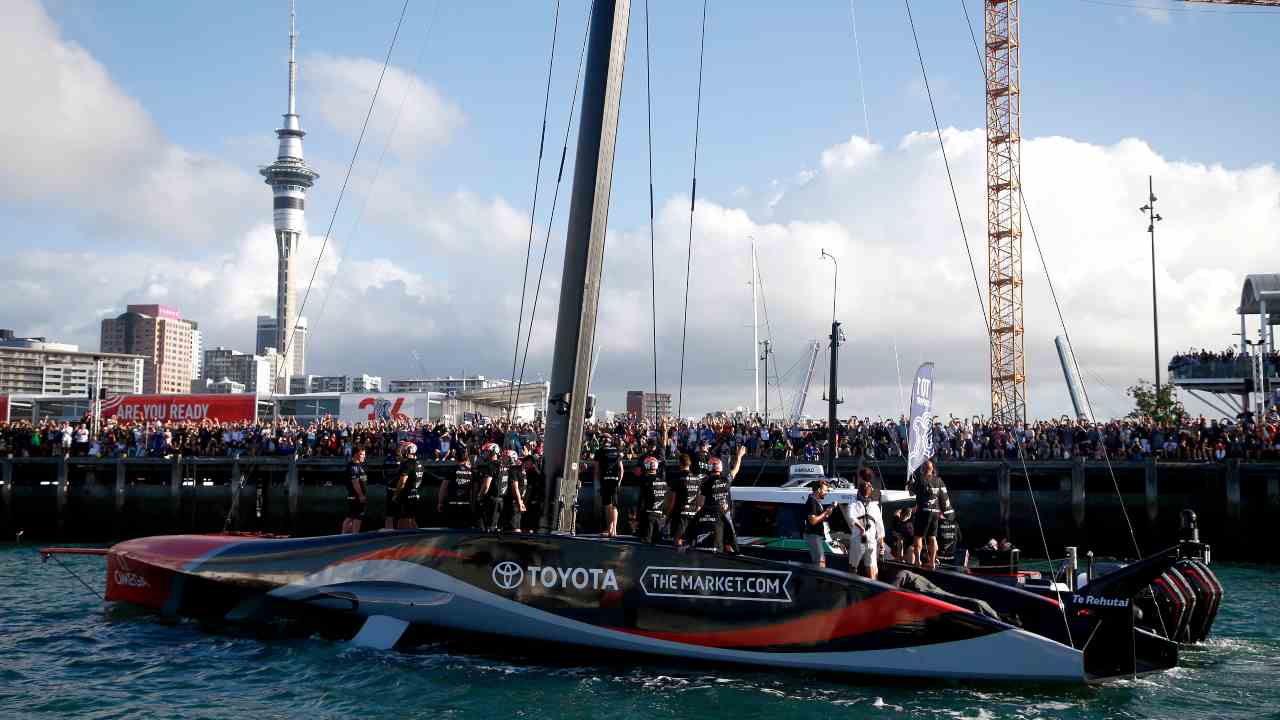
(533, 214)
(555, 198)
(77, 577)
(924, 74)
(862, 88)
(653, 266)
(693, 199)
(355, 153)
(1053, 294)
(1021, 456)
(377, 171)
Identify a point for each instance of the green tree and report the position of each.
(1164, 408)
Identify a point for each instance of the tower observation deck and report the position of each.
(289, 177)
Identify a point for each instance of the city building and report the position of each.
(648, 405)
(10, 340)
(448, 385)
(299, 385)
(289, 177)
(225, 385)
(254, 372)
(266, 338)
(52, 369)
(197, 353)
(162, 337)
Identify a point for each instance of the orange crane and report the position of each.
(1003, 70)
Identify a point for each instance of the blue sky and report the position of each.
(781, 87)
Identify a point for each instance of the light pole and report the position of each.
(1152, 218)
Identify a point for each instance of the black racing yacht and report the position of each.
(588, 594)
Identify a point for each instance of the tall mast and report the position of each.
(583, 260)
(755, 333)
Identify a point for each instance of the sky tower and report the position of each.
(289, 177)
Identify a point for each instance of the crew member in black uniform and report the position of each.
(409, 484)
(395, 492)
(685, 504)
(497, 486)
(535, 490)
(515, 507)
(608, 473)
(931, 498)
(487, 472)
(455, 492)
(653, 500)
(357, 492)
(717, 503)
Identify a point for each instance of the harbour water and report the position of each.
(62, 655)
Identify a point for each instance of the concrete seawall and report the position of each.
(103, 500)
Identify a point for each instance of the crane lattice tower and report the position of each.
(1004, 210)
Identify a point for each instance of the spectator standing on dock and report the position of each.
(357, 492)
(815, 525)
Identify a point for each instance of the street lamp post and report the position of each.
(1152, 218)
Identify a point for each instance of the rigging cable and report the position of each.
(555, 197)
(653, 266)
(693, 199)
(355, 153)
(1030, 491)
(764, 305)
(533, 213)
(377, 171)
(1053, 294)
(947, 164)
(862, 88)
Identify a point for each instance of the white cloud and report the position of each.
(70, 136)
(339, 88)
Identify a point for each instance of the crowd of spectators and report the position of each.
(870, 439)
(1223, 363)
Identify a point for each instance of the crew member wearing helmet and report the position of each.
(514, 499)
(653, 499)
(608, 473)
(402, 496)
(716, 502)
(455, 491)
(533, 486)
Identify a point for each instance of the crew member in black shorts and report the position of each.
(685, 483)
(454, 491)
(717, 503)
(931, 498)
(496, 490)
(410, 484)
(396, 491)
(653, 500)
(357, 492)
(488, 471)
(608, 471)
(514, 501)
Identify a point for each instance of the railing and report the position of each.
(1196, 367)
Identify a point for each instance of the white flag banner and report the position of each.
(920, 435)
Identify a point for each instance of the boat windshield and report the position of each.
(781, 520)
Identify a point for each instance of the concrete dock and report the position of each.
(88, 500)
